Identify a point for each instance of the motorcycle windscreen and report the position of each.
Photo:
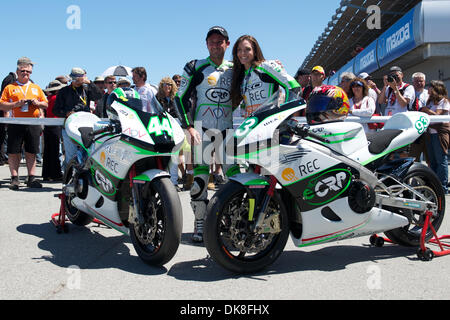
(158, 126)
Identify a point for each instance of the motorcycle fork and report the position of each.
(136, 191)
(263, 208)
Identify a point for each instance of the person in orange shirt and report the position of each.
(23, 99)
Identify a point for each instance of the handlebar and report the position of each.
(112, 127)
(303, 131)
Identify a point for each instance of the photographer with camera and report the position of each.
(24, 99)
(396, 94)
(73, 98)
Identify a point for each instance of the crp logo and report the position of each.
(218, 95)
(105, 184)
(327, 186)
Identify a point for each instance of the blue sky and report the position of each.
(159, 35)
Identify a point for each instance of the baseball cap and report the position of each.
(77, 73)
(25, 60)
(318, 69)
(363, 75)
(218, 30)
(395, 68)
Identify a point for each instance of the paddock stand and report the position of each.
(59, 219)
(423, 253)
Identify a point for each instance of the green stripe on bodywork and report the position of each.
(332, 237)
(381, 155)
(233, 170)
(201, 170)
(142, 177)
(256, 182)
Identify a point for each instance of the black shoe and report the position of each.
(14, 183)
(32, 183)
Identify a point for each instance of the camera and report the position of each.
(79, 107)
(392, 77)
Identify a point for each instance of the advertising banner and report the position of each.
(366, 61)
(397, 40)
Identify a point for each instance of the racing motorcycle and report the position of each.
(119, 175)
(328, 182)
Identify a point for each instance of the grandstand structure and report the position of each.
(412, 34)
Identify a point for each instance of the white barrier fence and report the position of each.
(236, 121)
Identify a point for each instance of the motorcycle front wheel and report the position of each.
(423, 180)
(156, 240)
(229, 236)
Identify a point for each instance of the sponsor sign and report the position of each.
(397, 40)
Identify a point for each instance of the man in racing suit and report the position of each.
(204, 103)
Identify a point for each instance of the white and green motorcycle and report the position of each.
(328, 182)
(119, 174)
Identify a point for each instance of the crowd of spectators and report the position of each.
(67, 94)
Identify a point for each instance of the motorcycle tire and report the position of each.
(419, 175)
(75, 215)
(162, 202)
(230, 203)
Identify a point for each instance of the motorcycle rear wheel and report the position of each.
(228, 235)
(75, 215)
(156, 240)
(425, 181)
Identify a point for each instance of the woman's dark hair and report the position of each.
(438, 91)
(356, 82)
(239, 69)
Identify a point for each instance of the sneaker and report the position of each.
(189, 181)
(32, 183)
(14, 183)
(197, 236)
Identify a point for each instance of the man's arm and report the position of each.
(182, 98)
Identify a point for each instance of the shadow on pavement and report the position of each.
(86, 248)
(327, 259)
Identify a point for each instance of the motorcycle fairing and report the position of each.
(317, 228)
(256, 133)
(153, 132)
(80, 120)
(107, 213)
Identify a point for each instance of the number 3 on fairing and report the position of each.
(246, 126)
(157, 127)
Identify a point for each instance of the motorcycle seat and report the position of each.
(380, 140)
(86, 136)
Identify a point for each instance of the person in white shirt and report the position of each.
(419, 80)
(419, 146)
(373, 89)
(145, 90)
(396, 94)
(361, 104)
(439, 133)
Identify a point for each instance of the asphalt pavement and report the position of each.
(95, 262)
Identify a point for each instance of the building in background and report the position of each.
(413, 34)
